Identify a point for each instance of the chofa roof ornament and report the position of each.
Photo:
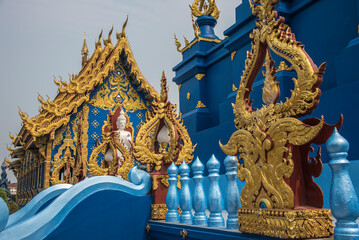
(273, 143)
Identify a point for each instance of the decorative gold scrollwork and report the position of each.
(203, 7)
(267, 137)
(162, 117)
(64, 161)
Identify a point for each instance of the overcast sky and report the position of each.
(42, 38)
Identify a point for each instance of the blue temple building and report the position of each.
(210, 71)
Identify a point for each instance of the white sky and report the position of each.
(42, 38)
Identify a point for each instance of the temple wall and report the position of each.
(325, 27)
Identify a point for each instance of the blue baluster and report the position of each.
(172, 195)
(343, 199)
(215, 199)
(185, 195)
(199, 196)
(232, 198)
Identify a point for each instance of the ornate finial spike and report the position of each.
(124, 27)
(200, 8)
(164, 88)
(109, 40)
(84, 50)
(98, 43)
(178, 44)
(11, 136)
(186, 42)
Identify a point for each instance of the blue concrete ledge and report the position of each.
(160, 230)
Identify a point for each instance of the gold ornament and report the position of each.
(158, 211)
(233, 54)
(110, 140)
(283, 67)
(234, 88)
(147, 150)
(118, 90)
(266, 136)
(199, 76)
(64, 160)
(293, 224)
(200, 105)
(188, 96)
(205, 7)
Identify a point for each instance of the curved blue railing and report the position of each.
(93, 208)
(38, 203)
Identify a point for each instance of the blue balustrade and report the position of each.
(185, 195)
(172, 195)
(215, 198)
(232, 197)
(343, 198)
(199, 196)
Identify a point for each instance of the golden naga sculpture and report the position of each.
(161, 140)
(114, 149)
(272, 142)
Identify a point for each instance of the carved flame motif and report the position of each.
(270, 88)
(267, 139)
(148, 150)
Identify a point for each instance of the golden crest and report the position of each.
(266, 137)
(162, 116)
(118, 90)
(205, 7)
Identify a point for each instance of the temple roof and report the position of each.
(56, 113)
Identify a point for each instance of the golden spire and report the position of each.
(84, 52)
(164, 89)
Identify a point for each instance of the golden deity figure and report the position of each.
(161, 140)
(280, 197)
(114, 147)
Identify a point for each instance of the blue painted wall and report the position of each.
(329, 31)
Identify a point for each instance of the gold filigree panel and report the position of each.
(292, 224)
(118, 90)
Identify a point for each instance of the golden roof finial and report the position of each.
(205, 7)
(164, 88)
(123, 33)
(108, 40)
(98, 43)
(178, 44)
(84, 52)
